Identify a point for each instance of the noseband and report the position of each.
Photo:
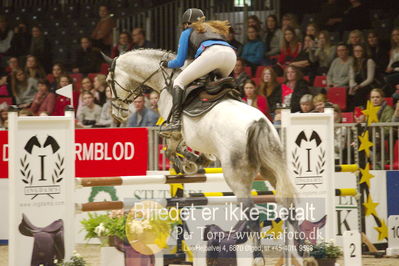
(135, 92)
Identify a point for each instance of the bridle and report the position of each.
(117, 102)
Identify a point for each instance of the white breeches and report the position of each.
(215, 58)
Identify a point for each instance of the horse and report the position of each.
(240, 136)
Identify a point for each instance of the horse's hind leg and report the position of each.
(239, 177)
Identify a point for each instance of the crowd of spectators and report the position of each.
(278, 66)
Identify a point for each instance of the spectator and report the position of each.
(340, 134)
(358, 115)
(100, 84)
(393, 65)
(361, 77)
(60, 101)
(319, 102)
(142, 116)
(6, 35)
(377, 51)
(324, 53)
(139, 39)
(106, 119)
(253, 50)
(240, 75)
(290, 21)
(270, 88)
(356, 17)
(23, 88)
(57, 71)
(306, 103)
(13, 65)
(254, 99)
(312, 30)
(87, 58)
(395, 117)
(254, 21)
(154, 99)
(33, 69)
(44, 100)
(40, 48)
(233, 42)
(302, 61)
(273, 36)
(330, 16)
(4, 115)
(293, 88)
(124, 44)
(385, 112)
(90, 113)
(290, 48)
(21, 41)
(355, 38)
(102, 33)
(338, 74)
(85, 86)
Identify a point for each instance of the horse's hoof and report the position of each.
(259, 261)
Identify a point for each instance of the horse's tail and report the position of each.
(265, 155)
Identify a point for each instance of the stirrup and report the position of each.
(171, 127)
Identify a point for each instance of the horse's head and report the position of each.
(127, 75)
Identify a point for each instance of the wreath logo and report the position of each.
(39, 184)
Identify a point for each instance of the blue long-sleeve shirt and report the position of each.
(182, 50)
(253, 52)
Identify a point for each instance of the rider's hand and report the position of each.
(164, 63)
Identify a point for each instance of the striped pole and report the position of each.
(346, 168)
(170, 202)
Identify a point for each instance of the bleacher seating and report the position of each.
(347, 117)
(337, 95)
(320, 81)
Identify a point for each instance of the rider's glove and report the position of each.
(164, 63)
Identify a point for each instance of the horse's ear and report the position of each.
(107, 59)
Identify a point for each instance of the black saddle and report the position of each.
(203, 94)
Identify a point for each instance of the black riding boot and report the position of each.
(175, 123)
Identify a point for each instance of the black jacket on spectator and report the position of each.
(20, 44)
(88, 61)
(356, 18)
(40, 47)
(274, 98)
(301, 88)
(380, 56)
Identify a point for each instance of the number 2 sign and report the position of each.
(352, 248)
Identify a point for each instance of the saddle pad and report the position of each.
(200, 105)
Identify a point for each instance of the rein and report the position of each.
(135, 92)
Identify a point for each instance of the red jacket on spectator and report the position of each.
(287, 55)
(262, 105)
(43, 104)
(61, 102)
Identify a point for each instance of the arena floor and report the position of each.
(92, 255)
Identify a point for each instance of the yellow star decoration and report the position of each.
(371, 113)
(276, 230)
(366, 176)
(382, 230)
(365, 144)
(370, 206)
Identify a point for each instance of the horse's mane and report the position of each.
(152, 53)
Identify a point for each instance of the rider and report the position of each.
(206, 43)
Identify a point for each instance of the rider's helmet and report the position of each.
(192, 15)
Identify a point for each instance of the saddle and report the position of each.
(48, 241)
(203, 94)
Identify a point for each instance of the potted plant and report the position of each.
(326, 253)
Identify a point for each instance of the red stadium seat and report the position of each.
(160, 159)
(91, 76)
(306, 78)
(389, 101)
(320, 81)
(280, 80)
(104, 68)
(337, 95)
(4, 91)
(77, 78)
(248, 71)
(395, 157)
(259, 71)
(257, 81)
(347, 117)
(50, 78)
(8, 100)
